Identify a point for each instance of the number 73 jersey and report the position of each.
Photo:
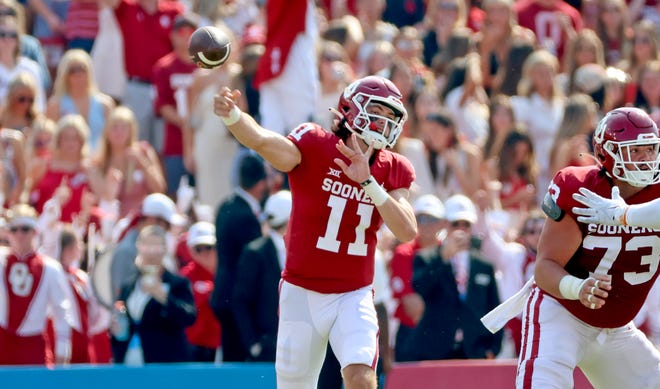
(630, 255)
(332, 231)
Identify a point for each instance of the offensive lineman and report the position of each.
(343, 183)
(592, 279)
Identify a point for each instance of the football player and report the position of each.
(344, 183)
(592, 279)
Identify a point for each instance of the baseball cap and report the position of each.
(429, 204)
(460, 207)
(277, 209)
(201, 233)
(160, 206)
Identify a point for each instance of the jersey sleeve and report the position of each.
(306, 135)
(558, 201)
(402, 174)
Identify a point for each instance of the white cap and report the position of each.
(201, 233)
(590, 77)
(429, 204)
(161, 206)
(277, 209)
(203, 212)
(460, 207)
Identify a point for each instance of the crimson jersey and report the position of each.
(629, 254)
(146, 35)
(172, 78)
(332, 230)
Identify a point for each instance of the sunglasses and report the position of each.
(39, 143)
(642, 40)
(447, 7)
(9, 34)
(461, 224)
(25, 99)
(331, 58)
(426, 219)
(23, 229)
(203, 248)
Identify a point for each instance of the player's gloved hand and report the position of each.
(600, 210)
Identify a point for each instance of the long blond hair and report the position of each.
(74, 57)
(19, 81)
(120, 114)
(538, 58)
(78, 123)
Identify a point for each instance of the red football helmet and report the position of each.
(353, 105)
(617, 132)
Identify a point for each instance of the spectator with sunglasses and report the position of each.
(36, 289)
(430, 215)
(30, 46)
(204, 334)
(13, 62)
(20, 111)
(458, 287)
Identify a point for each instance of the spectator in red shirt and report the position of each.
(172, 77)
(145, 26)
(204, 334)
(553, 22)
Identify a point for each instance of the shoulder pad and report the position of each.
(551, 208)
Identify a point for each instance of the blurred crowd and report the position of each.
(170, 233)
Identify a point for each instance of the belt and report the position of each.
(139, 80)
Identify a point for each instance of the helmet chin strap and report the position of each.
(339, 114)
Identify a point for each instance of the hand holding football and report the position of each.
(209, 47)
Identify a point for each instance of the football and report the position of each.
(209, 47)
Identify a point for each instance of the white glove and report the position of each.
(600, 210)
(184, 196)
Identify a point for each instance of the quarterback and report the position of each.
(344, 184)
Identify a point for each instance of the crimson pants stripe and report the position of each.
(532, 319)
